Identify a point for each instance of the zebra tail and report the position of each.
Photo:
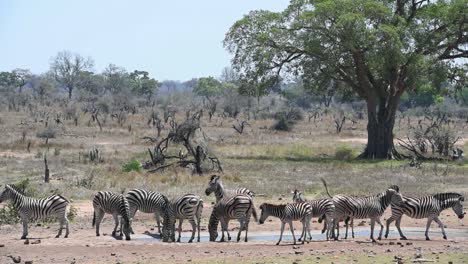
(94, 218)
(326, 187)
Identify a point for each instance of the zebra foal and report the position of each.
(288, 213)
(428, 207)
(189, 207)
(240, 207)
(30, 208)
(115, 204)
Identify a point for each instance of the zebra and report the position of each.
(189, 206)
(217, 187)
(425, 207)
(288, 213)
(240, 207)
(30, 208)
(359, 207)
(115, 204)
(147, 202)
(322, 208)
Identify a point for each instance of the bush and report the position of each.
(344, 152)
(287, 119)
(283, 124)
(133, 165)
(48, 132)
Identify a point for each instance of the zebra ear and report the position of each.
(462, 199)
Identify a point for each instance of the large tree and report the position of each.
(380, 48)
(67, 69)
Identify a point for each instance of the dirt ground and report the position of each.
(84, 247)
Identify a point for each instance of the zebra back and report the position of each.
(145, 201)
(424, 206)
(285, 212)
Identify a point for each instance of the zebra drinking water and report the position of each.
(30, 208)
(288, 213)
(189, 207)
(240, 207)
(115, 204)
(428, 207)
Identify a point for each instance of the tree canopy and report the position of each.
(379, 48)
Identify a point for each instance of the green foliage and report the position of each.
(142, 84)
(208, 87)
(283, 124)
(285, 120)
(132, 165)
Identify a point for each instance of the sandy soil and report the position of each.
(84, 247)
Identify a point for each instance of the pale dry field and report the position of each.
(268, 162)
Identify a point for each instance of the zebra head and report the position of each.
(298, 196)
(397, 198)
(6, 194)
(213, 185)
(265, 213)
(458, 207)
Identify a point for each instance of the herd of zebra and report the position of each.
(238, 204)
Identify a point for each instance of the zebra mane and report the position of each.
(15, 188)
(272, 205)
(446, 196)
(213, 177)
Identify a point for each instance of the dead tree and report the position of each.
(195, 154)
(339, 121)
(239, 128)
(46, 173)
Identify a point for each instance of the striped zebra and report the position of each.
(288, 213)
(360, 207)
(115, 204)
(215, 185)
(322, 208)
(240, 207)
(189, 206)
(147, 202)
(425, 207)
(30, 208)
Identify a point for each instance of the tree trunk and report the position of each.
(380, 125)
(70, 89)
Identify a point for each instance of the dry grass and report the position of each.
(268, 162)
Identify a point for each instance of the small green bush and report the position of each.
(344, 152)
(133, 165)
(283, 124)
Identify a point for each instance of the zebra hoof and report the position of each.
(427, 238)
(380, 238)
(190, 241)
(98, 235)
(445, 237)
(57, 236)
(66, 236)
(178, 240)
(277, 243)
(403, 238)
(23, 237)
(113, 233)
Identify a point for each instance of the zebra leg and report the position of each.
(281, 234)
(223, 228)
(347, 225)
(247, 221)
(25, 229)
(336, 224)
(67, 227)
(387, 229)
(381, 228)
(132, 215)
(397, 224)
(352, 227)
(99, 215)
(241, 227)
(158, 221)
(198, 226)
(292, 231)
(62, 222)
(330, 228)
(116, 220)
(194, 228)
(181, 220)
(308, 229)
(304, 230)
(372, 229)
(441, 226)
(429, 221)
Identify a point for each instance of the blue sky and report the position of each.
(171, 39)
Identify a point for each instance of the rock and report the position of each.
(87, 245)
(298, 252)
(450, 262)
(2, 245)
(26, 242)
(391, 243)
(317, 257)
(28, 262)
(38, 224)
(112, 254)
(280, 199)
(35, 242)
(152, 229)
(389, 250)
(16, 259)
(398, 243)
(409, 243)
(295, 247)
(418, 255)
